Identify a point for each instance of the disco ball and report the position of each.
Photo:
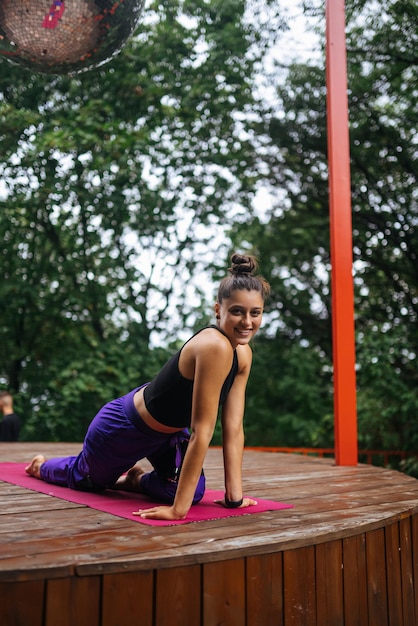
(65, 36)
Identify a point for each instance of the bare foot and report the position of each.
(34, 469)
(130, 481)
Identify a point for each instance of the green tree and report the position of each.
(292, 238)
(116, 184)
(289, 402)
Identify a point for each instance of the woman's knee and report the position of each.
(164, 490)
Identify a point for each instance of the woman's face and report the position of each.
(240, 315)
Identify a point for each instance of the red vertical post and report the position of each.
(345, 413)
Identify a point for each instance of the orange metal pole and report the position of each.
(345, 414)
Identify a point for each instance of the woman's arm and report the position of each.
(233, 430)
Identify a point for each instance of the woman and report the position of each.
(210, 370)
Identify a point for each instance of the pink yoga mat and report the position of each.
(123, 504)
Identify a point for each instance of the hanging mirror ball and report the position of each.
(65, 36)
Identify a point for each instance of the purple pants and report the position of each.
(116, 439)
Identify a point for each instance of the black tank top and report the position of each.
(168, 397)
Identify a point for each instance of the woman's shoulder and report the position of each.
(211, 336)
(210, 349)
(208, 341)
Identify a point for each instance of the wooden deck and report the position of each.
(346, 554)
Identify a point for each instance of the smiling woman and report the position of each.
(170, 420)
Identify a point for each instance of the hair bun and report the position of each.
(242, 264)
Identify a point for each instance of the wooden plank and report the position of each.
(355, 581)
(407, 572)
(224, 593)
(414, 552)
(329, 583)
(25, 501)
(128, 599)
(393, 569)
(264, 584)
(299, 587)
(71, 601)
(64, 524)
(178, 596)
(376, 578)
(21, 603)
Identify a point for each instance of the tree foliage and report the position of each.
(125, 189)
(115, 184)
(293, 237)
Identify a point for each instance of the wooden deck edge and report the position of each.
(200, 557)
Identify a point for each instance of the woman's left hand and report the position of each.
(158, 512)
(246, 502)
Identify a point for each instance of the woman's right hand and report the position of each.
(159, 512)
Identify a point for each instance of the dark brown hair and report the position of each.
(242, 277)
